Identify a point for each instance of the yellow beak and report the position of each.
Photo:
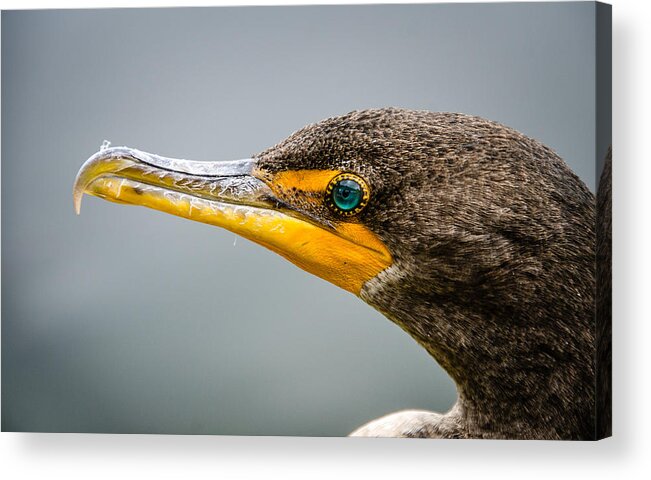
(228, 195)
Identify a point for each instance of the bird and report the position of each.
(476, 240)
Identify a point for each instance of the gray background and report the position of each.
(130, 320)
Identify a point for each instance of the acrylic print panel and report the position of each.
(440, 265)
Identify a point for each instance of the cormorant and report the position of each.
(475, 239)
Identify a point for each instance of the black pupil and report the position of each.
(347, 195)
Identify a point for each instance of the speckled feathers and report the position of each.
(494, 247)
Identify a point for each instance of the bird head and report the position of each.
(462, 231)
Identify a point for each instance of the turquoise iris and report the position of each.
(347, 195)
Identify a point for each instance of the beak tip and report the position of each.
(77, 195)
(77, 204)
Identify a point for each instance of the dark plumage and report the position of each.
(486, 253)
(494, 247)
(604, 359)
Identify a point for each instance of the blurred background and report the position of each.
(129, 320)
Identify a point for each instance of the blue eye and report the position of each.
(347, 194)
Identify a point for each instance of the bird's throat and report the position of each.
(513, 381)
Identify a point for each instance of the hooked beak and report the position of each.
(229, 195)
(186, 188)
(223, 194)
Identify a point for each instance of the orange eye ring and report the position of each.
(347, 194)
